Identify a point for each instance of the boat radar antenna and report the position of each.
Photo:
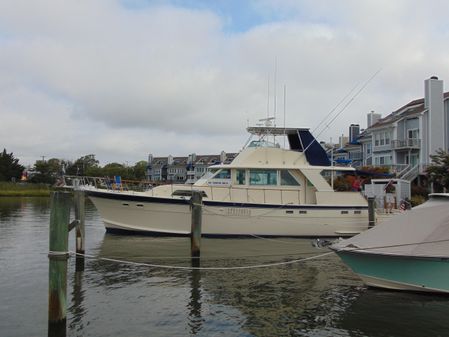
(263, 129)
(268, 121)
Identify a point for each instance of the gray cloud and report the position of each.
(84, 77)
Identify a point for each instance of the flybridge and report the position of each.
(299, 139)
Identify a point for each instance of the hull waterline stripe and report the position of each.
(151, 199)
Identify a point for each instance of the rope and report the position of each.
(274, 240)
(212, 258)
(275, 264)
(201, 268)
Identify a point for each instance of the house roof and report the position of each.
(199, 159)
(414, 107)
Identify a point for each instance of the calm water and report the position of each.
(314, 298)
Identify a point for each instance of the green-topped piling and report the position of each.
(58, 254)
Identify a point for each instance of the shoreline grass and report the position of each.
(24, 190)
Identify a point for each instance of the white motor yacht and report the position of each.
(266, 191)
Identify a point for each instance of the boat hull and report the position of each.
(426, 274)
(147, 214)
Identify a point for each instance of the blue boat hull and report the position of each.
(428, 274)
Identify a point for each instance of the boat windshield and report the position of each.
(262, 143)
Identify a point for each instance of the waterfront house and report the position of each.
(405, 139)
(157, 168)
(184, 169)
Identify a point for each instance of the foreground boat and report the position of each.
(266, 190)
(406, 252)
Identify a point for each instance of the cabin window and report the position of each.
(288, 179)
(223, 174)
(240, 177)
(263, 177)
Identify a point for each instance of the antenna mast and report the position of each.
(275, 84)
(285, 95)
(268, 97)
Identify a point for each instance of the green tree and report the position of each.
(82, 166)
(47, 171)
(9, 167)
(438, 170)
(116, 169)
(139, 170)
(94, 171)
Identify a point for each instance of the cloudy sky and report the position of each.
(121, 79)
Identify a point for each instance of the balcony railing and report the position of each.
(411, 143)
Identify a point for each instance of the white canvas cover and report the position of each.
(422, 231)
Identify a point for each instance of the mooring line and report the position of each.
(212, 258)
(200, 268)
(274, 240)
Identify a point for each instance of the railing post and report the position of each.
(371, 212)
(58, 254)
(196, 203)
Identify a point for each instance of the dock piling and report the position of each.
(80, 231)
(58, 254)
(196, 205)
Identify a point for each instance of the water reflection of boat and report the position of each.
(265, 190)
(407, 252)
(264, 302)
(176, 250)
